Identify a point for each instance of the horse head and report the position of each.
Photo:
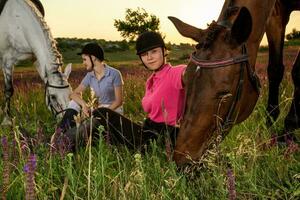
(58, 90)
(25, 34)
(215, 81)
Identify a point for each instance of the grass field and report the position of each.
(247, 165)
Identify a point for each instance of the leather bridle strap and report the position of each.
(229, 117)
(218, 63)
(56, 86)
(244, 62)
(53, 110)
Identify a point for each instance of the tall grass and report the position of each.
(247, 165)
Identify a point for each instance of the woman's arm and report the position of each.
(76, 95)
(118, 98)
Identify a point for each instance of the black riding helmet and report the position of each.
(147, 41)
(93, 49)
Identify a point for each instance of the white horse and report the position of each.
(24, 34)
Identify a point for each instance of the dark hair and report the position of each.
(147, 41)
(93, 49)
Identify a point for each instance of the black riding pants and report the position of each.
(118, 128)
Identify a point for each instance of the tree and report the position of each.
(293, 35)
(136, 22)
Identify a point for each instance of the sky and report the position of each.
(95, 18)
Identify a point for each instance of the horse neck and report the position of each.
(260, 11)
(36, 37)
(48, 65)
(42, 44)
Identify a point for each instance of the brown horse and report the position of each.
(275, 30)
(221, 85)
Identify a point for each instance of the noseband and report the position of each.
(243, 60)
(50, 104)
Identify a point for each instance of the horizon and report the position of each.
(64, 21)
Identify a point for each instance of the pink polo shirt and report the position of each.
(164, 96)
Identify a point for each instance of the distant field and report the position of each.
(177, 55)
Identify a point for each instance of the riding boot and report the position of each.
(68, 120)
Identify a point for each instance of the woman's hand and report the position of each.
(86, 111)
(118, 98)
(76, 96)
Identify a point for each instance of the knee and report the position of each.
(74, 105)
(68, 119)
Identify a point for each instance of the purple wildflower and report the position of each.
(273, 141)
(14, 152)
(59, 130)
(29, 170)
(39, 135)
(60, 143)
(291, 149)
(107, 139)
(231, 184)
(5, 152)
(64, 145)
(270, 143)
(25, 148)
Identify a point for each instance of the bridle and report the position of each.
(49, 101)
(218, 63)
(243, 60)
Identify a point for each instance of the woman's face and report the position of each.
(86, 61)
(153, 59)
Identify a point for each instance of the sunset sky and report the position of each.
(95, 18)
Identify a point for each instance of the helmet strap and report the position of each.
(92, 61)
(143, 62)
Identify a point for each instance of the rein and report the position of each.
(50, 103)
(243, 60)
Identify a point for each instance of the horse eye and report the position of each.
(52, 97)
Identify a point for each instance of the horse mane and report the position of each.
(2, 4)
(37, 3)
(39, 6)
(211, 33)
(215, 28)
(231, 10)
(46, 30)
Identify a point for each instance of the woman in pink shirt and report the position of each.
(164, 94)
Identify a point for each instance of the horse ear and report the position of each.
(242, 26)
(68, 70)
(187, 30)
